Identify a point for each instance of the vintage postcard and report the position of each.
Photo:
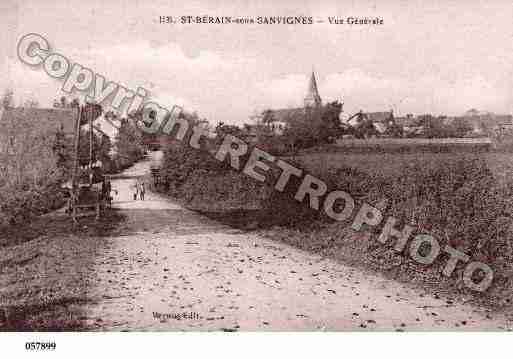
(255, 166)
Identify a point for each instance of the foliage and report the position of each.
(62, 147)
(181, 161)
(31, 170)
(460, 127)
(318, 125)
(129, 148)
(36, 160)
(365, 130)
(394, 130)
(101, 147)
(434, 127)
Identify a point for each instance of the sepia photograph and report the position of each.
(255, 167)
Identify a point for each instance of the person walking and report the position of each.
(142, 191)
(136, 190)
(106, 188)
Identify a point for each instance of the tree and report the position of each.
(62, 147)
(394, 130)
(366, 129)
(267, 117)
(434, 127)
(329, 127)
(461, 127)
(316, 126)
(129, 147)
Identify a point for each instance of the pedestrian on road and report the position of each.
(142, 191)
(106, 188)
(136, 190)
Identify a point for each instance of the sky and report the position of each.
(441, 57)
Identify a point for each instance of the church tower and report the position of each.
(312, 98)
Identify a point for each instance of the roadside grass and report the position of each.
(59, 224)
(43, 264)
(54, 316)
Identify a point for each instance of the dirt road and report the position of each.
(167, 268)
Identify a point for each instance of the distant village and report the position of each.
(385, 124)
(473, 126)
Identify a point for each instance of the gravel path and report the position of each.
(165, 261)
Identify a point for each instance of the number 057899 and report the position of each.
(40, 345)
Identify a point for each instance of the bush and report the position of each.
(459, 202)
(31, 169)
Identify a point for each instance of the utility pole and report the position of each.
(86, 114)
(91, 144)
(74, 184)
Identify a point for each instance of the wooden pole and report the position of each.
(74, 185)
(91, 137)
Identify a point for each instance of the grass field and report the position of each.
(391, 164)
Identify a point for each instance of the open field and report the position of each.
(392, 164)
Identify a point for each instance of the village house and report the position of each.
(412, 126)
(370, 124)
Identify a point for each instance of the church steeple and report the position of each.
(312, 98)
